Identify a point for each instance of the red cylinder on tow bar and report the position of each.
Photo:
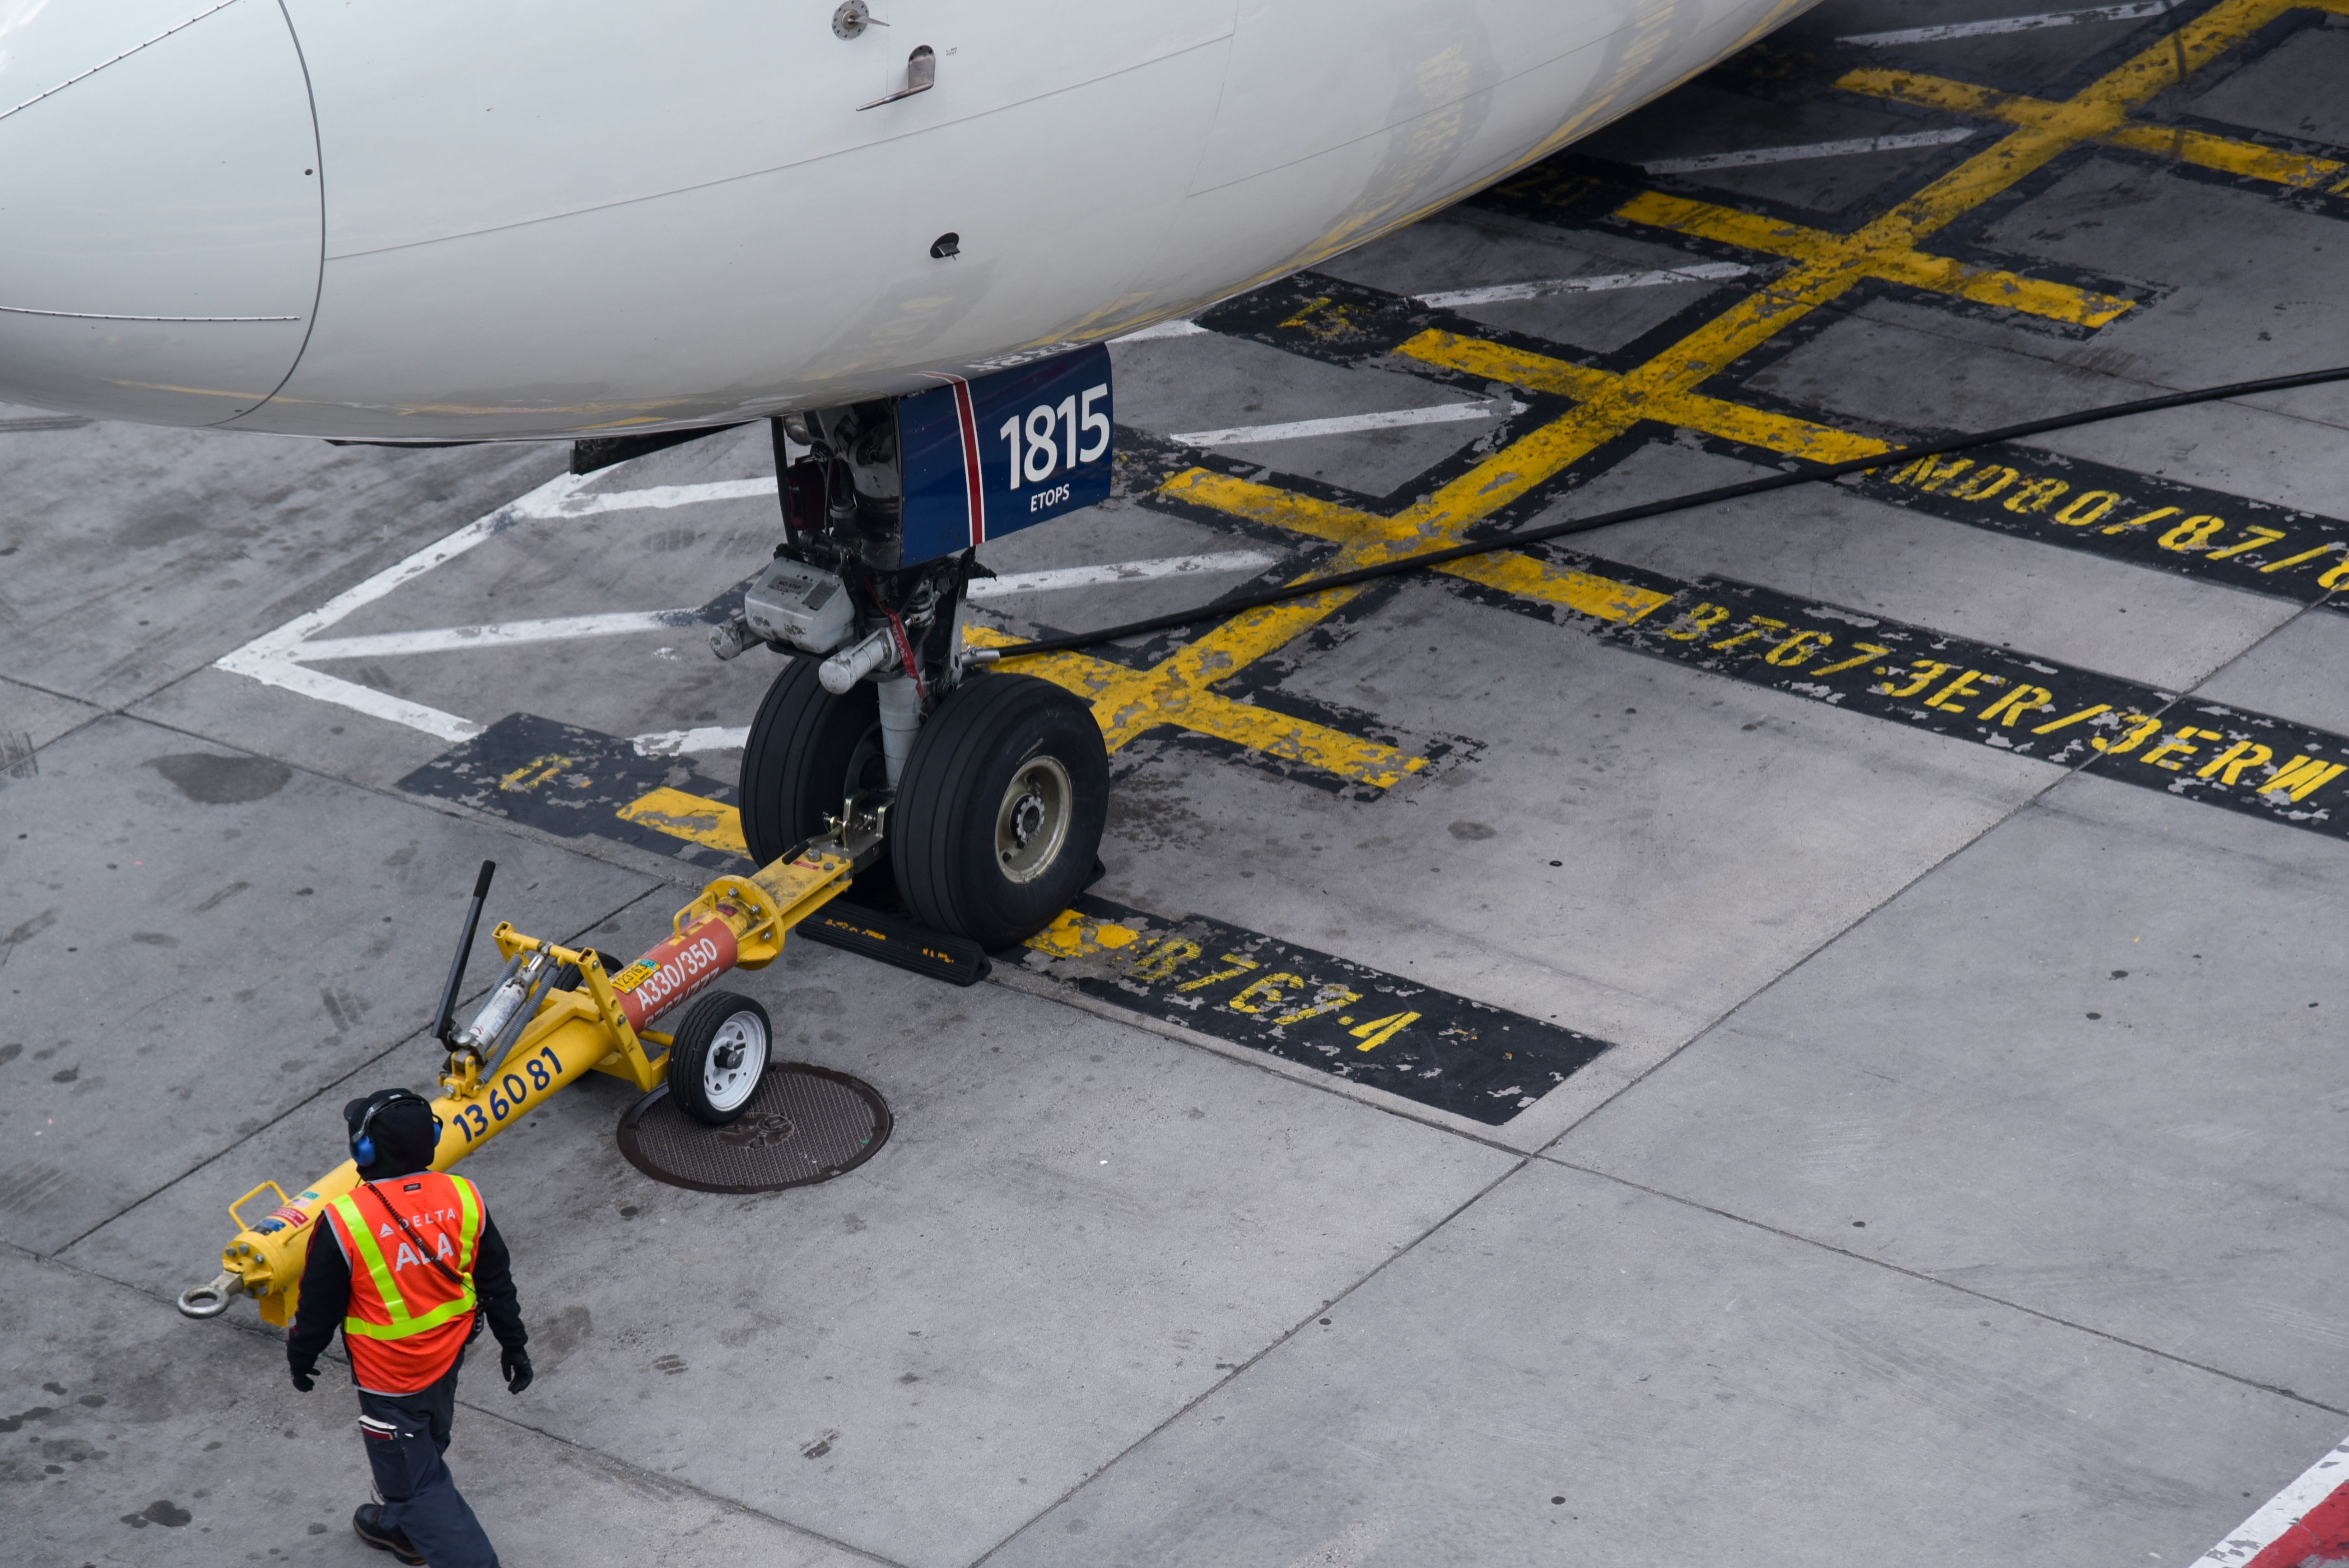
(675, 970)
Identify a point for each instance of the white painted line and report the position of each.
(481, 530)
(659, 497)
(1163, 329)
(288, 676)
(276, 658)
(1344, 424)
(669, 742)
(281, 658)
(1809, 150)
(2251, 1541)
(2133, 12)
(626, 622)
(1117, 572)
(1701, 272)
(271, 659)
(504, 634)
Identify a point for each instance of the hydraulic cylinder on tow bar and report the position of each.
(555, 1017)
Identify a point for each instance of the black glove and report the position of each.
(516, 1365)
(305, 1377)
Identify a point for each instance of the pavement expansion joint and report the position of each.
(1928, 1277)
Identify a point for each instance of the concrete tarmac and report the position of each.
(1794, 1031)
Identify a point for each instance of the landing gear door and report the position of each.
(993, 454)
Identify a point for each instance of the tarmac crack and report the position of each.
(1318, 1314)
(2170, 1356)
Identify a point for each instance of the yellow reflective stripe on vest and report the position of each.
(401, 1325)
(372, 1256)
(433, 1319)
(469, 1229)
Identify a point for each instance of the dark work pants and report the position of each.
(406, 1435)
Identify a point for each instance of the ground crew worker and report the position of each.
(409, 1264)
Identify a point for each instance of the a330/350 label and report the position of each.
(673, 970)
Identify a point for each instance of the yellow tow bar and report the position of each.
(596, 1026)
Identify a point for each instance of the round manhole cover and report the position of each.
(804, 1124)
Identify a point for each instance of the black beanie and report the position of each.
(403, 1135)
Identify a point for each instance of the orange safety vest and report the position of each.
(407, 1320)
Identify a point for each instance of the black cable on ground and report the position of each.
(1808, 474)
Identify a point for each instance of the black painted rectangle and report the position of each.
(567, 781)
(1321, 317)
(1323, 1012)
(2143, 520)
(2188, 747)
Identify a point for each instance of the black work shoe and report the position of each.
(368, 1526)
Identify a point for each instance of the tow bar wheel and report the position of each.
(1000, 809)
(719, 1054)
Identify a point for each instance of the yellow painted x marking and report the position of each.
(1609, 404)
(1867, 254)
(1127, 703)
(2100, 112)
(1665, 388)
(1690, 410)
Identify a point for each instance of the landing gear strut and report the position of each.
(995, 785)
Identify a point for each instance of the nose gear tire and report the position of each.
(808, 750)
(1000, 809)
(717, 1056)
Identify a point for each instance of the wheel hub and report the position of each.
(728, 1074)
(1033, 821)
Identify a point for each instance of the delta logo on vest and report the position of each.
(410, 1242)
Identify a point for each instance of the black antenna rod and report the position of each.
(444, 1025)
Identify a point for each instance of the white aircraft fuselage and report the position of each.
(448, 219)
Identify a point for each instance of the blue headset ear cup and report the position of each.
(363, 1146)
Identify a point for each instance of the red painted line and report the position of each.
(2305, 1525)
(969, 418)
(2323, 1532)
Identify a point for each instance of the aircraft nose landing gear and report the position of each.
(997, 784)
(998, 810)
